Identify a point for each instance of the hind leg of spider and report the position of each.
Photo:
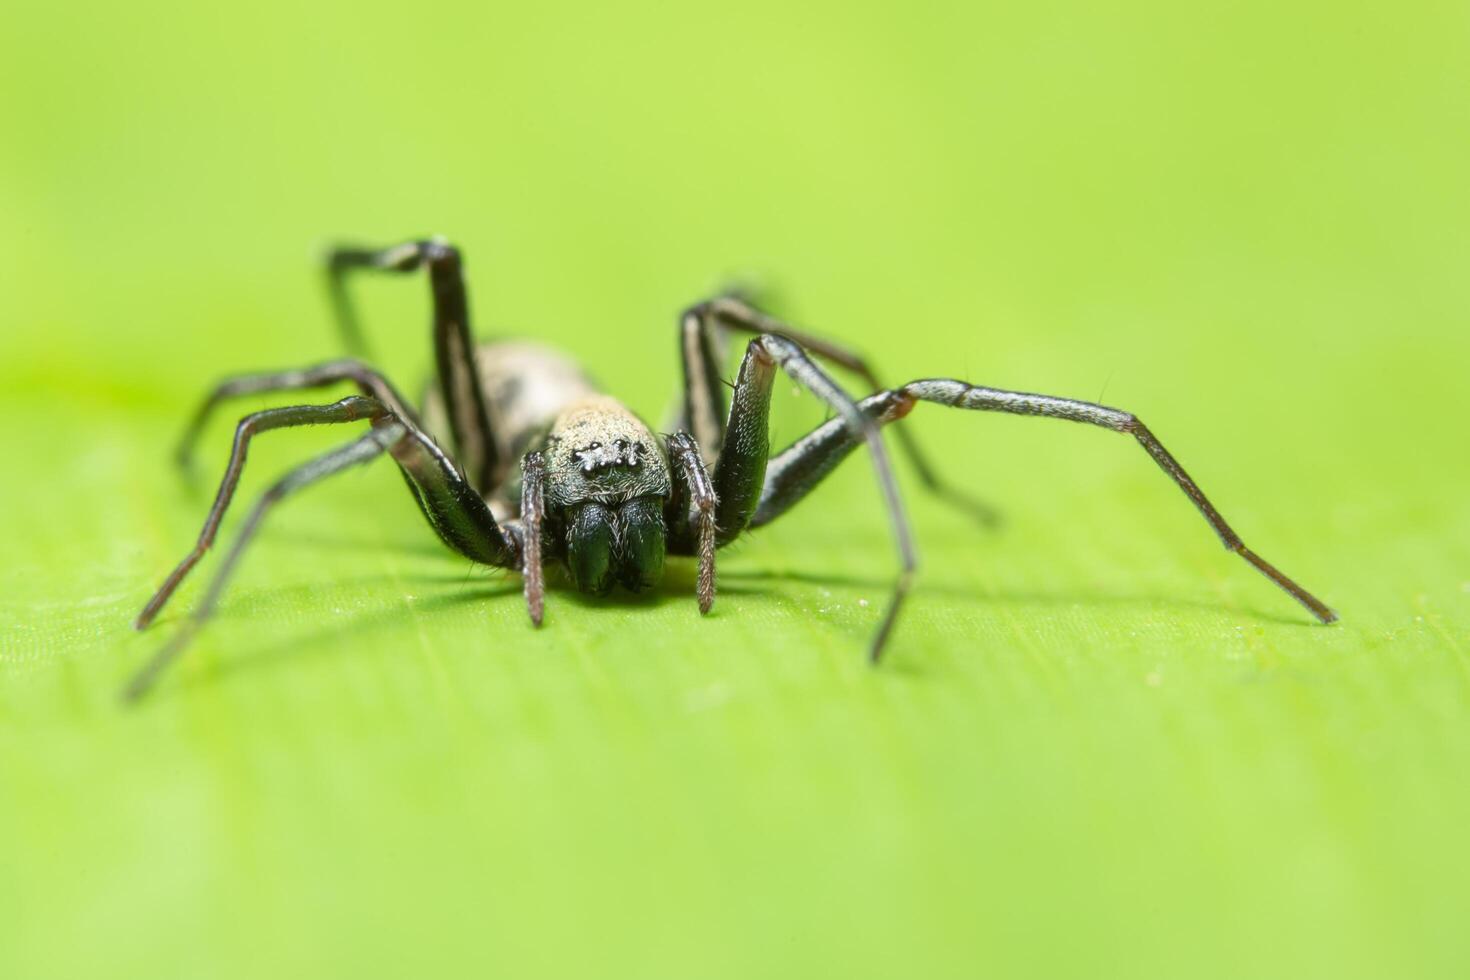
(465, 404)
(703, 403)
(368, 381)
(456, 513)
(795, 471)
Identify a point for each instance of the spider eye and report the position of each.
(641, 555)
(590, 548)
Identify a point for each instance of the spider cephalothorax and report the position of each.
(605, 488)
(546, 468)
(597, 448)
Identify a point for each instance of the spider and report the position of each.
(544, 467)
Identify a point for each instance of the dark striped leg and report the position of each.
(369, 381)
(740, 471)
(704, 388)
(690, 514)
(457, 514)
(793, 472)
(454, 348)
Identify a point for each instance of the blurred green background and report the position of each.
(1101, 747)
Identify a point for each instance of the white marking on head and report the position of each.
(596, 456)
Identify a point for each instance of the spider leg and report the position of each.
(690, 513)
(369, 381)
(533, 514)
(359, 451)
(703, 406)
(454, 350)
(453, 509)
(702, 411)
(793, 473)
(740, 472)
(351, 409)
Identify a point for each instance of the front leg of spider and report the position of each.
(740, 471)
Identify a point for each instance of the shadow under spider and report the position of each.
(992, 597)
(333, 639)
(326, 541)
(679, 582)
(676, 586)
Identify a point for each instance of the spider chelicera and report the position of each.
(542, 466)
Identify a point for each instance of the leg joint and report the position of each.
(778, 348)
(942, 391)
(769, 349)
(900, 405)
(439, 252)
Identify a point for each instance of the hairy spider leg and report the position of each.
(468, 411)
